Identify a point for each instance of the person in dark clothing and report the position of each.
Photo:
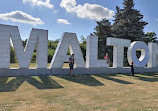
(71, 64)
(132, 69)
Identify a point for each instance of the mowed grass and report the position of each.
(112, 92)
(33, 65)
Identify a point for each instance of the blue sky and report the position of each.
(77, 16)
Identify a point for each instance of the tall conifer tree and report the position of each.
(128, 23)
(103, 30)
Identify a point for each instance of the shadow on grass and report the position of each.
(47, 83)
(153, 77)
(83, 79)
(149, 74)
(108, 77)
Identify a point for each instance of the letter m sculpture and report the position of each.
(38, 39)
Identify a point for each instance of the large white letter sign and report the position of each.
(118, 50)
(68, 40)
(153, 54)
(37, 38)
(4, 47)
(92, 53)
(131, 54)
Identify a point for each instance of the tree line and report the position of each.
(51, 50)
(128, 23)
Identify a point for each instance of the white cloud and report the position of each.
(91, 11)
(39, 3)
(63, 21)
(19, 16)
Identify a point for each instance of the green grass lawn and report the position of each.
(80, 93)
(33, 65)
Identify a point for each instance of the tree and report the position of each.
(50, 55)
(102, 31)
(51, 48)
(33, 60)
(128, 23)
(13, 58)
(24, 42)
(83, 46)
(150, 37)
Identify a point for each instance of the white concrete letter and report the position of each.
(37, 38)
(143, 60)
(4, 46)
(118, 50)
(153, 55)
(68, 40)
(92, 53)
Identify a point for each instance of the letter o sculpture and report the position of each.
(131, 54)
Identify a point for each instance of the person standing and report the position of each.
(106, 58)
(132, 69)
(71, 64)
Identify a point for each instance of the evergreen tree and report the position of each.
(103, 30)
(128, 23)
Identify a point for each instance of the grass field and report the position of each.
(33, 65)
(80, 93)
